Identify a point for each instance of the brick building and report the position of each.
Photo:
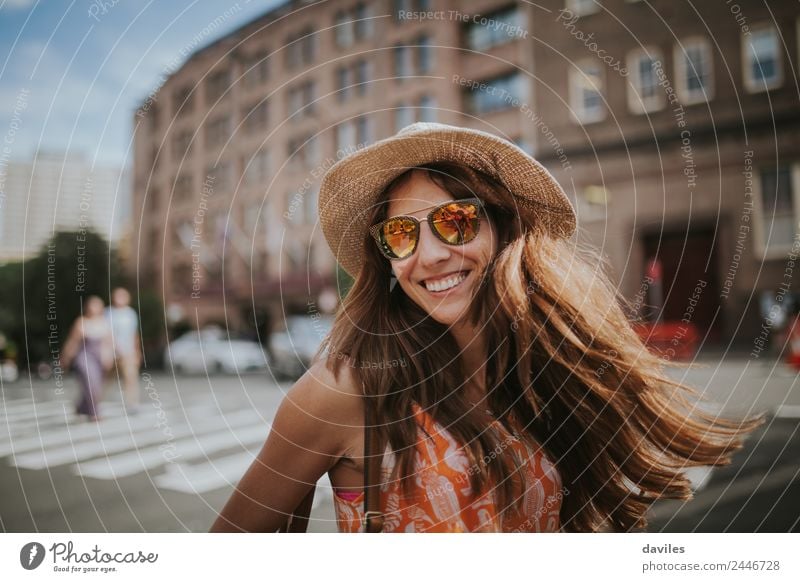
(677, 128)
(671, 125)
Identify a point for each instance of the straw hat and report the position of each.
(352, 185)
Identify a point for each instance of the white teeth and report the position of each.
(444, 284)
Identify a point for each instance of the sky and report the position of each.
(72, 73)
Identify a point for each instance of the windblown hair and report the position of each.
(563, 359)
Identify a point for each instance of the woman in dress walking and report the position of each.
(481, 374)
(88, 349)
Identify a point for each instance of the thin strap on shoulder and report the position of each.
(373, 454)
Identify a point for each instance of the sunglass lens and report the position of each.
(398, 237)
(457, 223)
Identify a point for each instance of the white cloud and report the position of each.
(17, 4)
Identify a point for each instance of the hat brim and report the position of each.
(353, 185)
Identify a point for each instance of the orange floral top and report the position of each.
(443, 500)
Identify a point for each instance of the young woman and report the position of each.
(491, 354)
(88, 349)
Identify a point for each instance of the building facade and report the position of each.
(677, 128)
(670, 125)
(230, 151)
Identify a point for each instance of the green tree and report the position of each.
(45, 294)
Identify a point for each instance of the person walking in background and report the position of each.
(125, 342)
(88, 349)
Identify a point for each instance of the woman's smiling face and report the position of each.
(438, 277)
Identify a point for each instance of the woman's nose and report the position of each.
(430, 249)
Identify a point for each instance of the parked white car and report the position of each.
(211, 351)
(293, 349)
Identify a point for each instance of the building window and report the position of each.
(424, 55)
(342, 83)
(778, 209)
(762, 59)
(363, 22)
(506, 26)
(343, 27)
(586, 92)
(301, 99)
(363, 130)
(403, 116)
(183, 188)
(183, 100)
(181, 144)
(345, 135)
(644, 93)
(400, 8)
(354, 77)
(218, 131)
(303, 150)
(427, 108)
(310, 205)
(363, 76)
(217, 85)
(693, 71)
(220, 176)
(301, 48)
(255, 118)
(506, 92)
(256, 70)
(582, 7)
(257, 169)
(402, 62)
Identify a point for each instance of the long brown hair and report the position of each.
(563, 360)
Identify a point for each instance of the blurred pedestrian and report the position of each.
(88, 350)
(125, 342)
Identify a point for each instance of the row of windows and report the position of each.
(302, 150)
(694, 74)
(300, 49)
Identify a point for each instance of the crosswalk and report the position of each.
(189, 447)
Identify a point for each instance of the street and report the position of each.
(173, 465)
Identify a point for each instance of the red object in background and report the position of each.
(672, 340)
(793, 336)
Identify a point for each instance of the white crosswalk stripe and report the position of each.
(193, 449)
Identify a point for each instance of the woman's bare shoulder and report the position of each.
(321, 399)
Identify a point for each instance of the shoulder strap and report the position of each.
(373, 455)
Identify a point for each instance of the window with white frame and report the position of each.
(402, 61)
(363, 73)
(310, 205)
(424, 55)
(644, 93)
(255, 117)
(778, 209)
(363, 21)
(427, 108)
(218, 131)
(257, 168)
(345, 135)
(403, 116)
(582, 7)
(256, 69)
(496, 28)
(694, 71)
(344, 29)
(761, 58)
(586, 92)
(496, 94)
(342, 83)
(363, 129)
